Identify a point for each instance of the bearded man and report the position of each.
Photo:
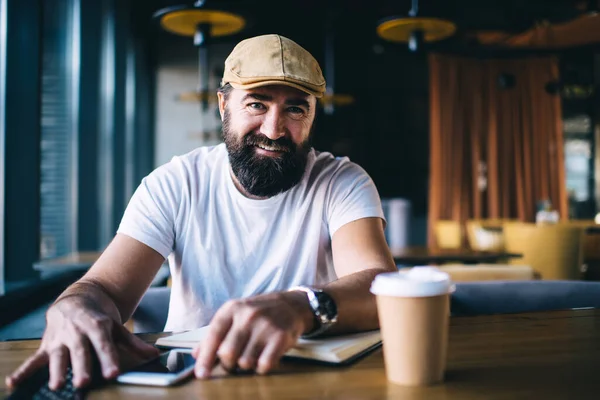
(267, 239)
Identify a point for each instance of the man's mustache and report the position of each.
(281, 144)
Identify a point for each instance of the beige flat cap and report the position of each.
(273, 60)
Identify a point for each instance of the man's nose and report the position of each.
(273, 125)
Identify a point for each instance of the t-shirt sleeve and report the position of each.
(151, 214)
(352, 196)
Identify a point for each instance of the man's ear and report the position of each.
(221, 104)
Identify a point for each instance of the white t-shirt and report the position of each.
(222, 245)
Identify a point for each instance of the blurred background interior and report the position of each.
(478, 120)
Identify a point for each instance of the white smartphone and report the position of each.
(168, 369)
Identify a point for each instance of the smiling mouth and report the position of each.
(270, 149)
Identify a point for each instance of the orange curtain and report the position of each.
(494, 152)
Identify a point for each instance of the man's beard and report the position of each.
(261, 175)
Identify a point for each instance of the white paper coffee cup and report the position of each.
(413, 309)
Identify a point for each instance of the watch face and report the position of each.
(327, 305)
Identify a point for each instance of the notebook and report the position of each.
(342, 349)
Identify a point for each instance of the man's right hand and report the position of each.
(72, 326)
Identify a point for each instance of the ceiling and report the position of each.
(511, 15)
(355, 21)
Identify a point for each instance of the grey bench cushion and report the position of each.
(151, 313)
(503, 297)
(470, 298)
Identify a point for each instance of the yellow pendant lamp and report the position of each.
(415, 30)
(202, 24)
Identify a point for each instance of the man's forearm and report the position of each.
(357, 309)
(92, 295)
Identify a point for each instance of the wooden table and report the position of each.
(431, 255)
(550, 355)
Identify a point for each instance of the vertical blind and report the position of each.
(58, 121)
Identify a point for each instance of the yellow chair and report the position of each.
(448, 234)
(485, 234)
(553, 251)
(488, 272)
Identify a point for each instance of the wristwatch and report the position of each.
(323, 307)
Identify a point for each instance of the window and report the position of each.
(577, 99)
(54, 93)
(578, 155)
(579, 158)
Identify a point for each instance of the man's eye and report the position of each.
(256, 106)
(296, 110)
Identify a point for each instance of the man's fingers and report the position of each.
(207, 355)
(196, 351)
(59, 361)
(29, 366)
(80, 361)
(101, 340)
(143, 349)
(232, 347)
(271, 354)
(132, 350)
(252, 352)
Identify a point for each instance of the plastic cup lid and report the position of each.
(413, 282)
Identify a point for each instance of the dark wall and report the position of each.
(385, 130)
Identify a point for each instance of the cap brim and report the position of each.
(276, 82)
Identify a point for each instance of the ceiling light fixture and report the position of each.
(415, 30)
(202, 24)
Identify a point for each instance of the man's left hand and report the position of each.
(254, 333)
